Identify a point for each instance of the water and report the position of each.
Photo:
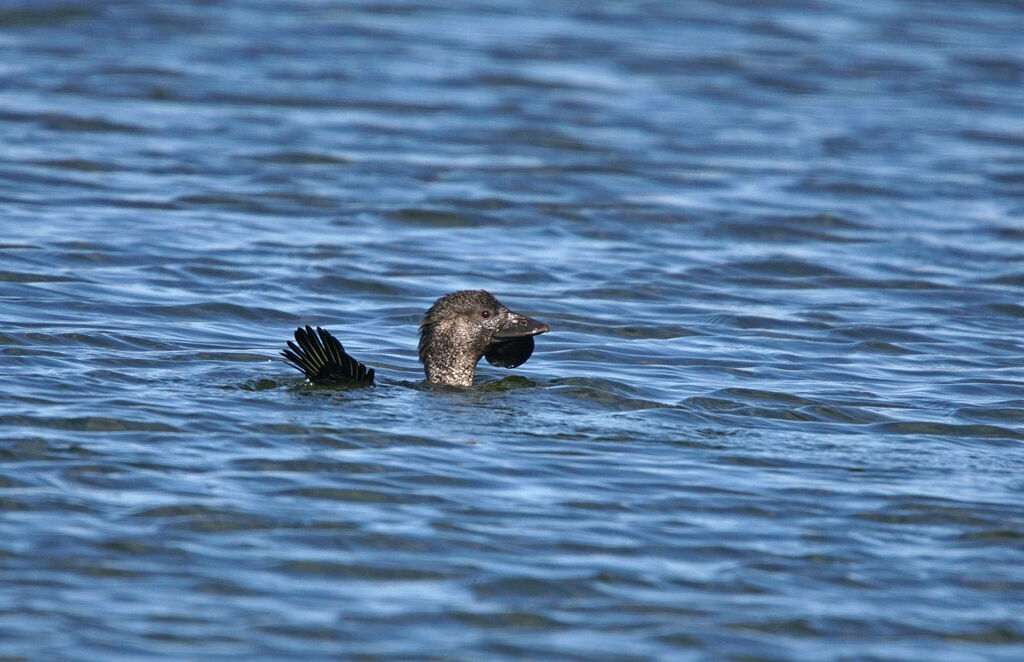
(780, 414)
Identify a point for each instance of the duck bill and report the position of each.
(520, 326)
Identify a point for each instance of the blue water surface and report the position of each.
(779, 415)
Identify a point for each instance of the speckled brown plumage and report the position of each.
(456, 332)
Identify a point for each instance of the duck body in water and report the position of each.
(456, 332)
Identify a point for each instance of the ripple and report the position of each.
(787, 268)
(437, 218)
(605, 394)
(87, 424)
(347, 495)
(22, 277)
(361, 571)
(58, 14)
(1008, 415)
(948, 430)
(301, 158)
(219, 311)
(78, 165)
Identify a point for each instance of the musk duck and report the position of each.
(458, 330)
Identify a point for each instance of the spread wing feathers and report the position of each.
(322, 358)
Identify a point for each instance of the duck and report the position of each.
(457, 331)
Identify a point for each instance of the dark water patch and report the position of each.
(950, 431)
(1006, 415)
(221, 201)
(104, 340)
(768, 397)
(881, 336)
(371, 437)
(642, 292)
(751, 322)
(336, 283)
(712, 404)
(27, 449)
(847, 415)
(208, 272)
(998, 138)
(785, 84)
(602, 393)
(878, 347)
(22, 277)
(436, 218)
(530, 589)
(917, 510)
(515, 621)
(14, 505)
(77, 124)
(141, 548)
(782, 232)
(543, 138)
(257, 385)
(351, 495)
(785, 268)
(994, 536)
(841, 187)
(86, 424)
(238, 357)
(782, 414)
(207, 518)
(306, 466)
(650, 332)
(305, 202)
(269, 100)
(28, 180)
(79, 165)
(1005, 633)
(361, 571)
(301, 158)
(1008, 309)
(1009, 177)
(51, 16)
(882, 285)
(218, 311)
(506, 384)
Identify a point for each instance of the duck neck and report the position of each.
(448, 357)
(452, 374)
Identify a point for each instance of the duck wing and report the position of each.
(319, 356)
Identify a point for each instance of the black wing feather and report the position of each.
(319, 356)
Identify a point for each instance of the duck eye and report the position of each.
(485, 314)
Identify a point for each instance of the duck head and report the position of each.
(465, 326)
